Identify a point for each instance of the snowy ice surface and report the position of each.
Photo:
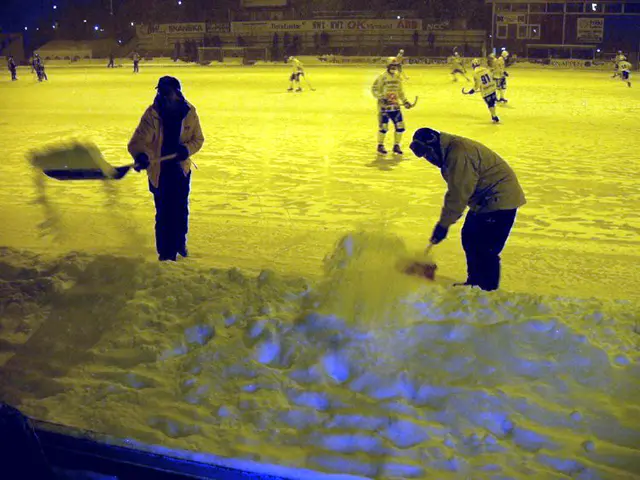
(368, 372)
(358, 370)
(283, 176)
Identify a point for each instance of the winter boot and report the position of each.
(397, 150)
(381, 149)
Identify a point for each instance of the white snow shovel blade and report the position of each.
(74, 162)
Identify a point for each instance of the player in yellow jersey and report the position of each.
(620, 57)
(457, 67)
(486, 85)
(400, 59)
(298, 71)
(388, 90)
(624, 68)
(500, 74)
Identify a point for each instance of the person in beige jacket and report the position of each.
(168, 127)
(478, 178)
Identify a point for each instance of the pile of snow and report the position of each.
(370, 372)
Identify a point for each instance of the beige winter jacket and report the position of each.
(148, 139)
(477, 177)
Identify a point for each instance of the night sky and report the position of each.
(16, 14)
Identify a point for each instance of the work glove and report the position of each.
(471, 92)
(141, 162)
(408, 105)
(506, 74)
(182, 153)
(439, 234)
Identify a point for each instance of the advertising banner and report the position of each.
(590, 30)
(218, 27)
(575, 63)
(444, 25)
(177, 30)
(518, 18)
(336, 25)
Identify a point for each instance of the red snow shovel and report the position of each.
(426, 269)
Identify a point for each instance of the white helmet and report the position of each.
(475, 63)
(401, 52)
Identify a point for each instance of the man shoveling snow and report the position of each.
(478, 178)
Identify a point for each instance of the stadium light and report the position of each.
(84, 21)
(25, 28)
(132, 24)
(55, 7)
(179, 2)
(54, 27)
(398, 17)
(96, 28)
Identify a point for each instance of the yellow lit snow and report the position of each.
(357, 369)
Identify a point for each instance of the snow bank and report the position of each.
(369, 373)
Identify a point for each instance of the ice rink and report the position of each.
(282, 176)
(316, 354)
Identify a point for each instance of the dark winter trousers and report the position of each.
(483, 238)
(13, 74)
(172, 211)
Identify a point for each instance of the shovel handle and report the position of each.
(429, 248)
(161, 159)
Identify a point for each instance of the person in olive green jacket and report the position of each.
(169, 126)
(478, 178)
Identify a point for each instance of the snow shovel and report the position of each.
(79, 162)
(423, 267)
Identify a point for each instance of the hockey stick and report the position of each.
(95, 173)
(415, 102)
(308, 83)
(466, 93)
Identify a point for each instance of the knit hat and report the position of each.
(168, 82)
(426, 144)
